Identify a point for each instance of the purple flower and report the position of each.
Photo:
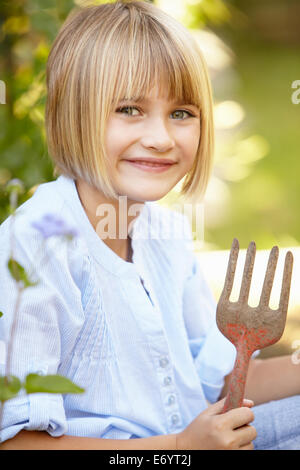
(52, 225)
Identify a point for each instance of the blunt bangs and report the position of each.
(153, 59)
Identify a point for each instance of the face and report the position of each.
(154, 128)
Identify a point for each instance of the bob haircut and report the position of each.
(109, 52)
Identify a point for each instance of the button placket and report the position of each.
(169, 394)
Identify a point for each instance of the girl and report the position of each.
(127, 314)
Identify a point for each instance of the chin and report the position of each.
(146, 196)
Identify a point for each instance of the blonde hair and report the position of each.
(108, 52)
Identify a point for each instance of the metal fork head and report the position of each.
(260, 326)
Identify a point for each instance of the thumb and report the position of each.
(216, 408)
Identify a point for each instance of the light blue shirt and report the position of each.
(149, 355)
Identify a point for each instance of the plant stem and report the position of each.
(10, 344)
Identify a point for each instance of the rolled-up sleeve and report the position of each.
(44, 316)
(35, 412)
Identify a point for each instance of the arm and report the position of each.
(37, 440)
(209, 430)
(37, 345)
(270, 379)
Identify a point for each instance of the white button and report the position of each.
(171, 399)
(163, 362)
(167, 380)
(175, 419)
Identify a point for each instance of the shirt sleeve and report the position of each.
(44, 316)
(213, 354)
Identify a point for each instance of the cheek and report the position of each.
(190, 142)
(116, 139)
(197, 135)
(189, 137)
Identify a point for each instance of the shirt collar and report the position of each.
(97, 248)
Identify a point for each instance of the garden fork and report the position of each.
(250, 328)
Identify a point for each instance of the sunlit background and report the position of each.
(253, 52)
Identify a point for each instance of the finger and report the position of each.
(245, 435)
(216, 408)
(247, 447)
(247, 274)
(286, 283)
(239, 416)
(234, 252)
(247, 402)
(269, 277)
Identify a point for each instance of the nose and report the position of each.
(158, 136)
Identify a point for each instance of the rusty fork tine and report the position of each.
(234, 252)
(286, 283)
(269, 277)
(247, 328)
(247, 274)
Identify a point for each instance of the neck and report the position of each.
(109, 218)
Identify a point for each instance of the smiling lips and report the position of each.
(141, 162)
(156, 166)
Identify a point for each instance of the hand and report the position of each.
(212, 430)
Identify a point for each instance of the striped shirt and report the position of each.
(140, 337)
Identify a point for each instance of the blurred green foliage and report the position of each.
(265, 38)
(27, 29)
(257, 160)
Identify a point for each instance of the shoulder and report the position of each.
(27, 233)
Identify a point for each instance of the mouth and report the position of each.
(150, 166)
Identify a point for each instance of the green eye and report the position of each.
(129, 110)
(120, 110)
(183, 111)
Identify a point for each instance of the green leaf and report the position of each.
(36, 383)
(18, 273)
(9, 387)
(1, 314)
